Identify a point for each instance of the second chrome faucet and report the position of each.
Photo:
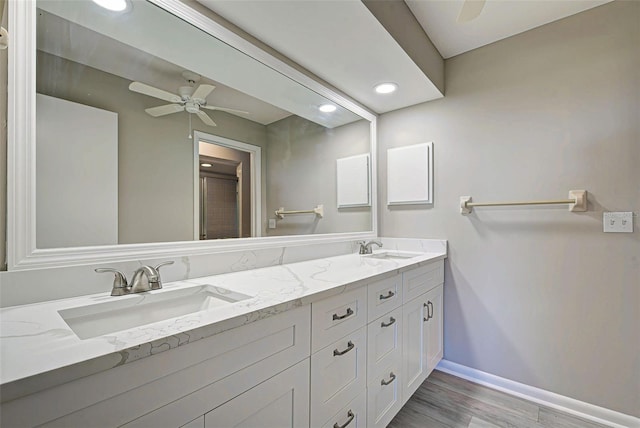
(145, 278)
(365, 248)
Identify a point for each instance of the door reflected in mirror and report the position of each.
(129, 116)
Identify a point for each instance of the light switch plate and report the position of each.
(620, 222)
(272, 223)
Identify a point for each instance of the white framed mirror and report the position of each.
(153, 97)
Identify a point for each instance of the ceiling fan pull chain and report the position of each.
(190, 129)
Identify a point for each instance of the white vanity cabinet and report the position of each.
(347, 361)
(422, 326)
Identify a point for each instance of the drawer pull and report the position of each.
(350, 346)
(427, 307)
(387, 382)
(392, 320)
(351, 416)
(341, 317)
(389, 295)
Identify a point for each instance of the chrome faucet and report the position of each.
(145, 278)
(365, 248)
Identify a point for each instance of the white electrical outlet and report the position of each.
(621, 222)
(272, 223)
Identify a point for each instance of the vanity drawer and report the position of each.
(337, 316)
(353, 415)
(338, 375)
(384, 296)
(384, 344)
(420, 280)
(384, 396)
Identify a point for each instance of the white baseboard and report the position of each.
(540, 396)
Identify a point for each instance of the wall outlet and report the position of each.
(620, 222)
(272, 223)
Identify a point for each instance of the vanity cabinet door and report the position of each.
(422, 339)
(414, 342)
(435, 334)
(282, 401)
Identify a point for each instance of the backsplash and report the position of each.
(39, 285)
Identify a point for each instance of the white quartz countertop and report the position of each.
(38, 349)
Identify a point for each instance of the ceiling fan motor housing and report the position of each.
(185, 92)
(192, 107)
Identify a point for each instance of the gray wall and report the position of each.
(153, 205)
(537, 294)
(301, 173)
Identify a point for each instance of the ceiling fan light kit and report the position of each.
(188, 99)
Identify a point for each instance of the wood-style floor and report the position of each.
(446, 401)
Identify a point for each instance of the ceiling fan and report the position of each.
(188, 98)
(470, 10)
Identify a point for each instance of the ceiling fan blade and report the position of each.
(141, 88)
(202, 91)
(205, 118)
(230, 110)
(163, 110)
(470, 10)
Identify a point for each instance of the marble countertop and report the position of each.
(39, 350)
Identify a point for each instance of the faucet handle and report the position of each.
(170, 262)
(158, 282)
(119, 281)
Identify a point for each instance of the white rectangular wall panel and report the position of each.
(76, 174)
(353, 181)
(410, 175)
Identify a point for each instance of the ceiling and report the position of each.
(498, 20)
(339, 41)
(344, 44)
(133, 64)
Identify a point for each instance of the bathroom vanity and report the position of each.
(337, 341)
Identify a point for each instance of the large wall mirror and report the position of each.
(154, 131)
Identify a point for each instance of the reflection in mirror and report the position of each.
(128, 114)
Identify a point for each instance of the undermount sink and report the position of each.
(393, 255)
(136, 310)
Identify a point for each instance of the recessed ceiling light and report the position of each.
(112, 5)
(206, 165)
(327, 108)
(386, 88)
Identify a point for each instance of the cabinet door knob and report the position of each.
(389, 295)
(350, 415)
(350, 346)
(392, 320)
(387, 382)
(341, 317)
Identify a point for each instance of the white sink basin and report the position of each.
(136, 310)
(393, 255)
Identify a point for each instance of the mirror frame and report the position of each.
(22, 253)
